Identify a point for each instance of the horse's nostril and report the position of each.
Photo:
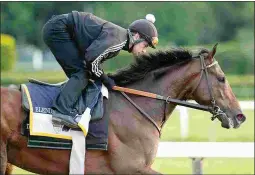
(241, 117)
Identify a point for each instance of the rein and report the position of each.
(215, 110)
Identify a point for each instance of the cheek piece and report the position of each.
(132, 41)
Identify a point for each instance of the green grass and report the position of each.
(184, 166)
(20, 171)
(242, 85)
(53, 76)
(200, 129)
(236, 80)
(58, 75)
(210, 166)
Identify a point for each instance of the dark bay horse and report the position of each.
(133, 140)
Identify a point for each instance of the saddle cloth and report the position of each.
(37, 99)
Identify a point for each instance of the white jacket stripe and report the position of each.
(96, 62)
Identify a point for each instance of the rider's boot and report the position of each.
(67, 120)
(63, 105)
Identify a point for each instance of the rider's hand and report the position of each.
(108, 82)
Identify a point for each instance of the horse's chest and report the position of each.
(143, 150)
(149, 148)
(133, 155)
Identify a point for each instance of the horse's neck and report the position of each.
(169, 85)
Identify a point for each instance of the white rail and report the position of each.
(184, 118)
(199, 150)
(206, 149)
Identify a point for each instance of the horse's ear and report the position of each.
(212, 53)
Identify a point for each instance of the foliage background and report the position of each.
(180, 24)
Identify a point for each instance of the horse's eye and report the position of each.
(221, 79)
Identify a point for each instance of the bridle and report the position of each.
(213, 108)
(216, 111)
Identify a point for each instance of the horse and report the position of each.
(133, 139)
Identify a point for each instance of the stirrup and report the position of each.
(65, 122)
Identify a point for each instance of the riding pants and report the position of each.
(58, 38)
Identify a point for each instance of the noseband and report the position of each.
(215, 110)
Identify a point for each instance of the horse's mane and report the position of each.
(149, 62)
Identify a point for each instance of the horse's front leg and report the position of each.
(3, 158)
(147, 170)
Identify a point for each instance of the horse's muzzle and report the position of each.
(235, 122)
(226, 122)
(238, 120)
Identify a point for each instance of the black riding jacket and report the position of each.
(97, 39)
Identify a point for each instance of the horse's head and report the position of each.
(210, 87)
(182, 75)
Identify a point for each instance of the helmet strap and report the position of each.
(132, 41)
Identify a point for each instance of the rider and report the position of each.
(80, 42)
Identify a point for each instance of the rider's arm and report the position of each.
(102, 48)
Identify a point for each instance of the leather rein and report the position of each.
(214, 109)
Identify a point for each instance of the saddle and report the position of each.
(37, 100)
(84, 100)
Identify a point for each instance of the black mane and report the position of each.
(147, 63)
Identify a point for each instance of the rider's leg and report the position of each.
(60, 42)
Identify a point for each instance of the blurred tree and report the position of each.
(8, 54)
(180, 23)
(230, 17)
(24, 20)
